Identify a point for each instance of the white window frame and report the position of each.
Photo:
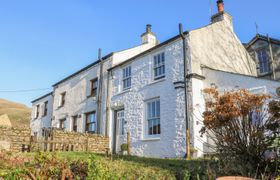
(126, 77)
(90, 123)
(37, 111)
(159, 65)
(264, 67)
(155, 118)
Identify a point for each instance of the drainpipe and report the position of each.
(271, 56)
(99, 95)
(186, 89)
(108, 98)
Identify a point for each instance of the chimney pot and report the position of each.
(220, 4)
(148, 28)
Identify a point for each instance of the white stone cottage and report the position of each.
(142, 90)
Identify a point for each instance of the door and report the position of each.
(118, 128)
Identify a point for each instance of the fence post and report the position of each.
(87, 144)
(128, 143)
(31, 144)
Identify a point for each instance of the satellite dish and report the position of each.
(278, 91)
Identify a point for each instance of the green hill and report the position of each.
(19, 114)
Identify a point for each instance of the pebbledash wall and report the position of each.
(170, 142)
(12, 139)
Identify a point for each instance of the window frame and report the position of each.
(45, 108)
(126, 70)
(159, 65)
(87, 124)
(93, 90)
(261, 64)
(37, 111)
(75, 123)
(62, 99)
(62, 123)
(157, 117)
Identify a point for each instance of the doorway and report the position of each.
(118, 127)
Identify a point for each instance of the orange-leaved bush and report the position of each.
(242, 127)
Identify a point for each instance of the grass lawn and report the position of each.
(96, 166)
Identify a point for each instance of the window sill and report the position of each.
(123, 92)
(151, 139)
(92, 97)
(265, 74)
(157, 81)
(59, 107)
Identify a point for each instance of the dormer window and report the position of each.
(127, 78)
(264, 64)
(159, 66)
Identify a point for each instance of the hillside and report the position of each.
(19, 114)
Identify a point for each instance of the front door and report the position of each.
(118, 128)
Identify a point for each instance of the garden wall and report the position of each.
(81, 141)
(13, 139)
(18, 140)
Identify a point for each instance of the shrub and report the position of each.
(243, 129)
(124, 147)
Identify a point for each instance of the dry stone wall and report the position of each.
(82, 141)
(13, 139)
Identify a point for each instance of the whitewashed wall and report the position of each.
(224, 81)
(171, 142)
(36, 124)
(77, 100)
(217, 46)
(77, 90)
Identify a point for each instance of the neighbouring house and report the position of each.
(41, 115)
(141, 90)
(266, 53)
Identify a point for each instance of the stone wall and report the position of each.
(12, 139)
(82, 141)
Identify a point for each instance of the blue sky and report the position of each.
(43, 41)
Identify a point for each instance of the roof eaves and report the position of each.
(81, 70)
(256, 77)
(147, 51)
(262, 37)
(46, 95)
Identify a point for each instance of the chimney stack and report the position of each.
(222, 15)
(220, 4)
(149, 36)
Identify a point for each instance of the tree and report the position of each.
(243, 127)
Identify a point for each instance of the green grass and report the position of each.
(141, 166)
(132, 167)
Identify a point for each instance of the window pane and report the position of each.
(153, 119)
(158, 109)
(150, 126)
(129, 71)
(153, 109)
